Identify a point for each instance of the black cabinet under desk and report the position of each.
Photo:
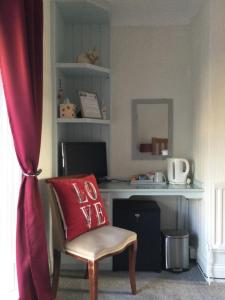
(142, 216)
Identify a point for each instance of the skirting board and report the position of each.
(210, 270)
(211, 258)
(202, 262)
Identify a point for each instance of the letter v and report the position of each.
(86, 210)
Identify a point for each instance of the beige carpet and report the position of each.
(188, 285)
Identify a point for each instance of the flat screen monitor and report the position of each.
(84, 157)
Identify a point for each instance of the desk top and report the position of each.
(187, 191)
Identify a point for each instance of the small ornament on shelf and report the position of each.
(104, 111)
(60, 94)
(90, 57)
(89, 105)
(67, 109)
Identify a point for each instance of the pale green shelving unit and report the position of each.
(77, 26)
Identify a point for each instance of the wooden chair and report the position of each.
(158, 145)
(90, 247)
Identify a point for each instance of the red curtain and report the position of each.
(21, 55)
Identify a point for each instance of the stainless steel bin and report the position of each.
(176, 243)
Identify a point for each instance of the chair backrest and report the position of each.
(57, 225)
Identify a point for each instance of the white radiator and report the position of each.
(218, 216)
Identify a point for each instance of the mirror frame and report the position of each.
(136, 154)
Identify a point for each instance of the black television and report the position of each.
(84, 157)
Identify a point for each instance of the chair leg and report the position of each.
(93, 279)
(56, 271)
(132, 263)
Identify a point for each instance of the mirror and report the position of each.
(152, 126)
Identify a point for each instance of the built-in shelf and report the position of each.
(83, 121)
(79, 26)
(85, 11)
(82, 69)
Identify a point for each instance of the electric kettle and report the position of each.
(177, 170)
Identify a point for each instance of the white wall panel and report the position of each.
(218, 217)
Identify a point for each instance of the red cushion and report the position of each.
(80, 203)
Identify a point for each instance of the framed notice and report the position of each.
(89, 105)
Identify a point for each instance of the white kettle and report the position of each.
(177, 170)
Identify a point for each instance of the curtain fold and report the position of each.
(21, 63)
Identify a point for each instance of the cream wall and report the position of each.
(45, 161)
(200, 88)
(201, 92)
(149, 62)
(208, 76)
(208, 91)
(217, 58)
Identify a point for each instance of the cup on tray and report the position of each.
(159, 177)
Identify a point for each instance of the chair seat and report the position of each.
(97, 243)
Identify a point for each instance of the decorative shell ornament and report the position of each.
(90, 57)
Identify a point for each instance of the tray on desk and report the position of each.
(146, 182)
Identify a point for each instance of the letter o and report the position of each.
(90, 190)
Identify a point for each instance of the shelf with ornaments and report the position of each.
(81, 62)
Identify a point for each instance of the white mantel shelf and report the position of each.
(82, 69)
(83, 121)
(187, 191)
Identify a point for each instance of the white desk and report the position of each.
(124, 190)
